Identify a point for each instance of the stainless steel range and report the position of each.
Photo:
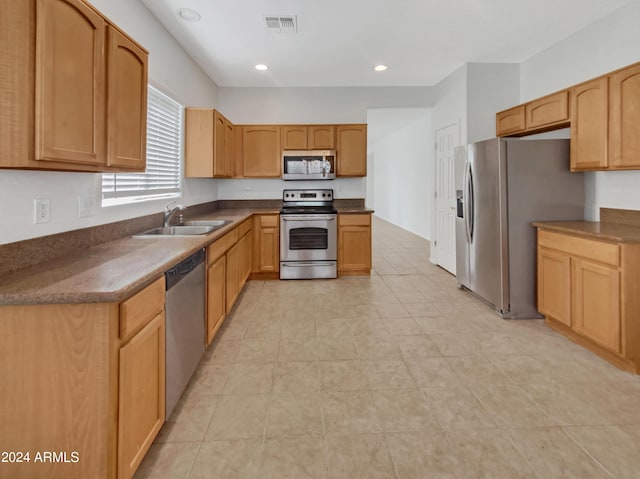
(308, 235)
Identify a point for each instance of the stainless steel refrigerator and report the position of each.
(502, 185)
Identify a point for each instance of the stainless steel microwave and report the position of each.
(308, 164)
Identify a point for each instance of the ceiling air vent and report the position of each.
(281, 23)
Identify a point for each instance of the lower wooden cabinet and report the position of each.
(244, 257)
(232, 277)
(554, 285)
(141, 401)
(596, 302)
(216, 296)
(587, 290)
(266, 245)
(229, 262)
(84, 378)
(354, 244)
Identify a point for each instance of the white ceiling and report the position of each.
(340, 41)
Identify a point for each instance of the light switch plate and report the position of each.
(41, 210)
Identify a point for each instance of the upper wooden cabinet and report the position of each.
(604, 116)
(624, 118)
(70, 83)
(126, 102)
(261, 151)
(543, 114)
(294, 137)
(351, 150)
(75, 90)
(209, 144)
(321, 137)
(312, 137)
(547, 111)
(510, 121)
(589, 125)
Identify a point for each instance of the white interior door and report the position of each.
(444, 243)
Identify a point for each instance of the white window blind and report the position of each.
(164, 154)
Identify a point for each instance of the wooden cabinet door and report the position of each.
(596, 303)
(126, 102)
(216, 296)
(510, 121)
(294, 137)
(229, 148)
(266, 244)
(549, 110)
(261, 153)
(354, 248)
(219, 132)
(554, 285)
(70, 76)
(198, 145)
(354, 243)
(321, 137)
(624, 121)
(141, 395)
(244, 258)
(351, 150)
(232, 277)
(589, 125)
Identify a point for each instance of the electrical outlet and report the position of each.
(247, 191)
(41, 210)
(85, 206)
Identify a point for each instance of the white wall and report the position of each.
(450, 104)
(173, 71)
(307, 105)
(597, 49)
(401, 167)
(315, 105)
(491, 87)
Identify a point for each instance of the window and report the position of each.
(164, 153)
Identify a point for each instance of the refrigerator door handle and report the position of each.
(472, 205)
(467, 200)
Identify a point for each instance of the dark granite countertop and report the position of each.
(111, 271)
(354, 210)
(605, 231)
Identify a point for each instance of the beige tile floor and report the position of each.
(399, 375)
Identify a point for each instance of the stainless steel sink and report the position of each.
(215, 223)
(177, 231)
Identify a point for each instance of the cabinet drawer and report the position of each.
(221, 246)
(269, 221)
(244, 228)
(141, 308)
(600, 251)
(354, 220)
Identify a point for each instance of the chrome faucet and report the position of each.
(170, 211)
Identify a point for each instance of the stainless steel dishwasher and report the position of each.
(185, 325)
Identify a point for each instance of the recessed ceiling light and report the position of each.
(380, 68)
(262, 67)
(189, 15)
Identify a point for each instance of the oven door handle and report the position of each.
(309, 218)
(308, 263)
